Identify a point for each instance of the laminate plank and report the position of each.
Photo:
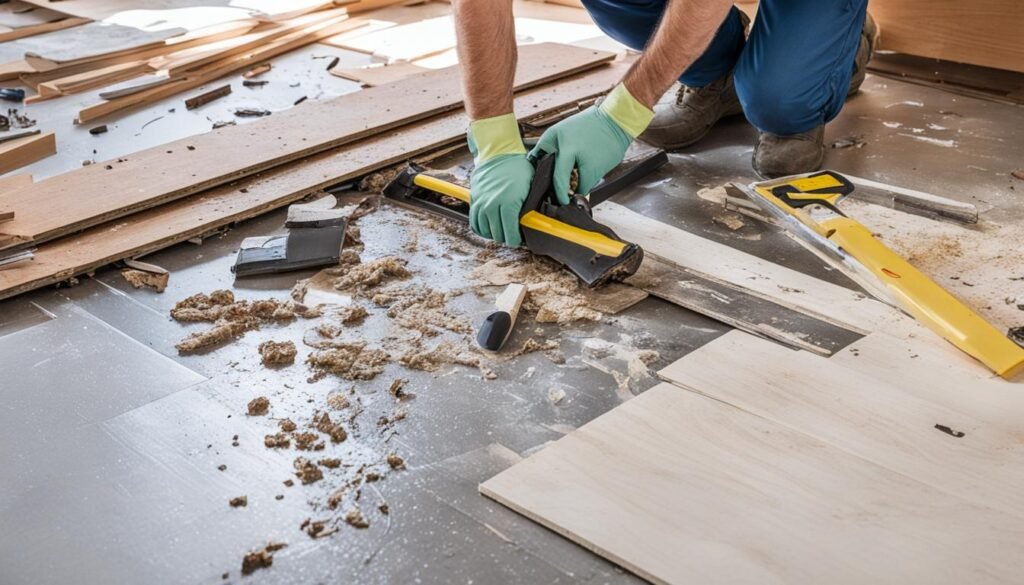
(873, 419)
(680, 488)
(152, 177)
(828, 302)
(43, 28)
(739, 308)
(202, 213)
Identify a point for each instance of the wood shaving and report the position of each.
(277, 353)
(258, 406)
(361, 277)
(260, 559)
(307, 471)
(555, 296)
(142, 279)
(351, 361)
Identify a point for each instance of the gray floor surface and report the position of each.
(111, 441)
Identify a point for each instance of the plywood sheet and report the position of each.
(874, 418)
(151, 177)
(15, 154)
(680, 488)
(379, 74)
(186, 218)
(153, 10)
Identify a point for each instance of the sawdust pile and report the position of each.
(230, 318)
(307, 471)
(258, 406)
(142, 279)
(277, 353)
(422, 309)
(351, 361)
(554, 295)
(366, 275)
(447, 352)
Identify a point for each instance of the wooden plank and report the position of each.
(92, 79)
(217, 69)
(182, 61)
(379, 74)
(15, 182)
(205, 98)
(680, 488)
(983, 32)
(152, 177)
(735, 306)
(825, 301)
(864, 416)
(15, 154)
(43, 28)
(193, 216)
(106, 9)
(406, 42)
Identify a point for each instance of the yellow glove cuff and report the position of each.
(632, 116)
(496, 136)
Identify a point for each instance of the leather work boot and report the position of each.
(868, 36)
(778, 156)
(684, 114)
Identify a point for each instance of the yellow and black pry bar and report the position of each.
(565, 233)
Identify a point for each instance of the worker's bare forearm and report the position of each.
(684, 32)
(487, 53)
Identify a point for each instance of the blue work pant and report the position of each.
(793, 72)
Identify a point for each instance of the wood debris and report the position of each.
(277, 353)
(258, 406)
(260, 559)
(143, 279)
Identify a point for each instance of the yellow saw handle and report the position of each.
(598, 242)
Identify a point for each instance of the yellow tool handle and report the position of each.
(598, 242)
(927, 301)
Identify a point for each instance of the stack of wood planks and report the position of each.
(178, 191)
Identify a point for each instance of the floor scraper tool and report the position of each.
(565, 233)
(807, 206)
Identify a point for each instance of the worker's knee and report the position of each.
(630, 22)
(774, 106)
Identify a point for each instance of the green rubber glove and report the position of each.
(501, 179)
(593, 141)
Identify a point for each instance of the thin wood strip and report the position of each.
(29, 31)
(88, 80)
(865, 416)
(152, 177)
(217, 69)
(193, 216)
(680, 488)
(15, 154)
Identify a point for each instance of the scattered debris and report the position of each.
(307, 471)
(277, 353)
(308, 442)
(337, 401)
(330, 462)
(205, 98)
(949, 431)
(363, 276)
(556, 396)
(317, 528)
(323, 423)
(259, 406)
(333, 63)
(300, 100)
(554, 296)
(98, 130)
(286, 425)
(231, 319)
(222, 124)
(277, 441)
(395, 461)
(261, 559)
(251, 112)
(252, 84)
(1016, 334)
(141, 278)
(355, 518)
(849, 142)
(239, 502)
(158, 118)
(397, 389)
(732, 221)
(1018, 174)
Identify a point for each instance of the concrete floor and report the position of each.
(112, 441)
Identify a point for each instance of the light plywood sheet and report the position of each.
(680, 489)
(156, 176)
(379, 74)
(196, 215)
(405, 42)
(873, 419)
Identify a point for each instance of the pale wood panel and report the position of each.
(829, 302)
(405, 42)
(680, 488)
(113, 9)
(15, 182)
(155, 176)
(380, 74)
(192, 216)
(15, 154)
(980, 32)
(863, 415)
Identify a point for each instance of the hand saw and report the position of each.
(807, 205)
(567, 234)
